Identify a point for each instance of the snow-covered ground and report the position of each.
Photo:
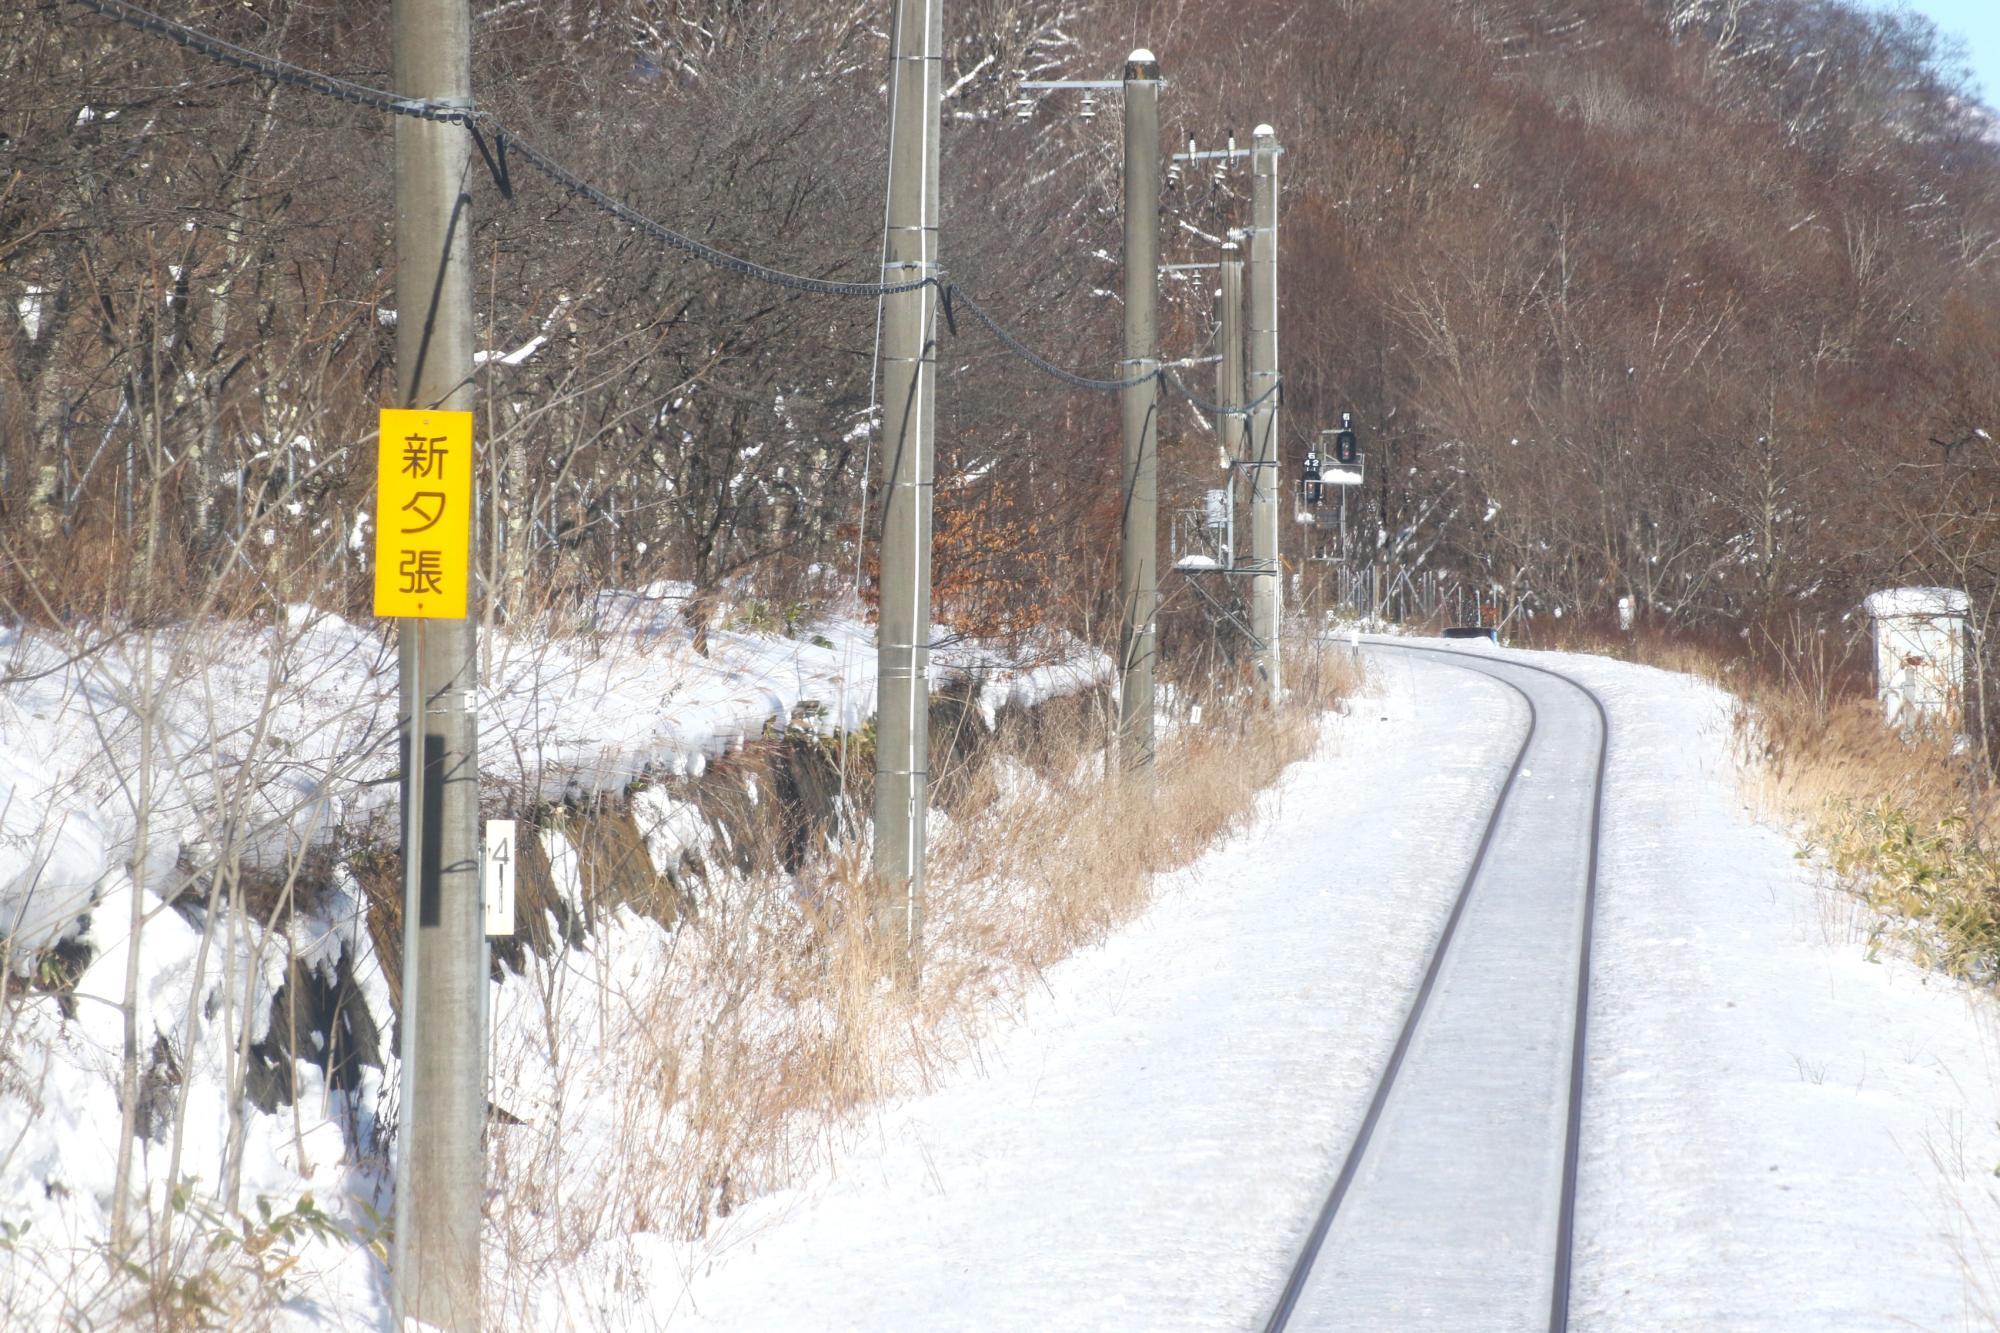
(1779, 1133)
(251, 749)
(1144, 1150)
(302, 716)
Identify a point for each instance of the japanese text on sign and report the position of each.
(423, 514)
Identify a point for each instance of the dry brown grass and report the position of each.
(1905, 824)
(1711, 657)
(773, 1019)
(1810, 758)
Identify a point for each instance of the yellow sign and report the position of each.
(423, 515)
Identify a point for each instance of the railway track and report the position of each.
(1456, 1203)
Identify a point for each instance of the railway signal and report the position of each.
(1346, 448)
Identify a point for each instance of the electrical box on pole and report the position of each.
(1231, 424)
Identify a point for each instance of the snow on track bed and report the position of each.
(1144, 1148)
(1453, 1206)
(1778, 1133)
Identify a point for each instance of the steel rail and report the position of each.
(1302, 1266)
(1573, 1130)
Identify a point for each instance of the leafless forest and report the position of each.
(1695, 301)
(1692, 302)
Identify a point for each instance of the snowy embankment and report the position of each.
(232, 768)
(1779, 1133)
(303, 717)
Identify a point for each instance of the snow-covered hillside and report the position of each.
(186, 786)
(298, 723)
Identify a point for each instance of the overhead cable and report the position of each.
(954, 296)
(1214, 409)
(508, 144)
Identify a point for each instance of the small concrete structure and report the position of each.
(1919, 636)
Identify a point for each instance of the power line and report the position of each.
(269, 67)
(505, 140)
(954, 296)
(1174, 382)
(507, 144)
(707, 254)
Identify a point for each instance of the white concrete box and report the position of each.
(1919, 636)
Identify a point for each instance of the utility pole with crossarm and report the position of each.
(1267, 587)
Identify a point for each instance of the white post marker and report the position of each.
(499, 877)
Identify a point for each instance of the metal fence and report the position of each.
(1415, 597)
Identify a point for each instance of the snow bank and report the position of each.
(143, 763)
(232, 741)
(275, 739)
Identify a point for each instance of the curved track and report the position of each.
(1456, 1203)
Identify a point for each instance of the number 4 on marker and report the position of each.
(499, 877)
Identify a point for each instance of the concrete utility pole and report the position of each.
(1138, 549)
(1229, 387)
(909, 396)
(440, 1156)
(1267, 585)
